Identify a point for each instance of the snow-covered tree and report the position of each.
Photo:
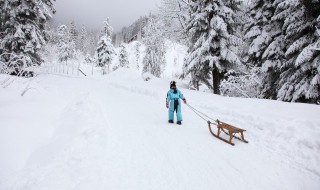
(123, 56)
(260, 30)
(65, 46)
(73, 32)
(137, 54)
(175, 15)
(299, 78)
(82, 39)
(265, 45)
(132, 32)
(242, 83)
(214, 39)
(88, 59)
(154, 60)
(105, 49)
(93, 36)
(318, 34)
(22, 32)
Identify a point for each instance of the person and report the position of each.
(173, 103)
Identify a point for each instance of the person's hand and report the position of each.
(184, 100)
(167, 105)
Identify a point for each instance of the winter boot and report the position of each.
(170, 121)
(179, 122)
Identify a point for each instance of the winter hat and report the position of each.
(172, 84)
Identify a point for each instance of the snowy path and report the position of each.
(115, 135)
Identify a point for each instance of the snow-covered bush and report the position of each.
(242, 84)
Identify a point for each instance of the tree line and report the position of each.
(262, 49)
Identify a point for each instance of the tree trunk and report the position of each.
(197, 85)
(216, 81)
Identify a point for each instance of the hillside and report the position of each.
(111, 132)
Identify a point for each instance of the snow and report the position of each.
(111, 132)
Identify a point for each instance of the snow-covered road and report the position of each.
(112, 133)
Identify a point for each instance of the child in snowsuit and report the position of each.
(173, 99)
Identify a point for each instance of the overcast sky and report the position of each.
(92, 13)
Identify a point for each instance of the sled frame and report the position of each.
(227, 129)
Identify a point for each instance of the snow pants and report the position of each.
(175, 106)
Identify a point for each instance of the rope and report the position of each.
(201, 115)
(196, 112)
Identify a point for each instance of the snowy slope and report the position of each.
(111, 132)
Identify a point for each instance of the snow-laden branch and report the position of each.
(318, 32)
(315, 48)
(239, 89)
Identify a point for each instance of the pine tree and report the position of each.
(154, 60)
(299, 78)
(265, 45)
(73, 32)
(137, 53)
(82, 39)
(105, 50)
(65, 46)
(212, 53)
(123, 57)
(22, 32)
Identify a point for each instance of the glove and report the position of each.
(184, 100)
(167, 105)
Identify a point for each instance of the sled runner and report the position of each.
(221, 126)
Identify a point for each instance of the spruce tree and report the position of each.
(22, 29)
(265, 45)
(82, 39)
(299, 78)
(65, 45)
(105, 49)
(123, 57)
(212, 52)
(73, 32)
(137, 54)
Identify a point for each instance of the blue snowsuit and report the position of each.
(175, 104)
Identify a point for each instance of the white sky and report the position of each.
(92, 13)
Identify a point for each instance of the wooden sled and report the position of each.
(231, 131)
